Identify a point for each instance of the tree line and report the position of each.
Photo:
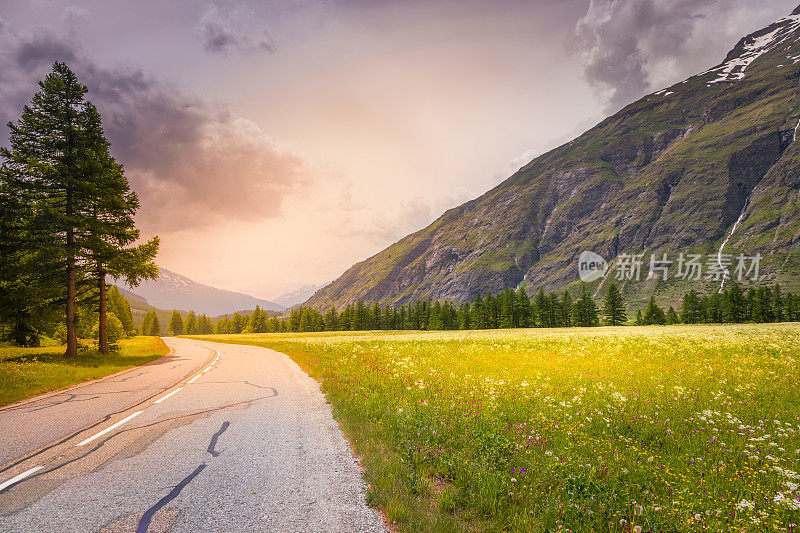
(193, 325)
(513, 308)
(66, 220)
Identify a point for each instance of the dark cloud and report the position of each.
(624, 43)
(191, 164)
(225, 32)
(42, 49)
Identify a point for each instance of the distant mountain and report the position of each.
(173, 291)
(140, 307)
(290, 299)
(711, 162)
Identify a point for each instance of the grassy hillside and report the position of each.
(683, 428)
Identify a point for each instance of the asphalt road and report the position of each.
(214, 437)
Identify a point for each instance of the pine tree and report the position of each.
(524, 308)
(672, 316)
(565, 309)
(191, 323)
(204, 325)
(155, 327)
(691, 312)
(45, 166)
(777, 304)
(331, 320)
(77, 203)
(542, 310)
(118, 305)
(175, 324)
(585, 312)
(150, 325)
(654, 314)
(388, 322)
(750, 306)
(614, 309)
(147, 323)
(110, 227)
(25, 307)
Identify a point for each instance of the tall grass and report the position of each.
(684, 428)
(26, 372)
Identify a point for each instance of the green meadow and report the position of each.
(26, 372)
(679, 428)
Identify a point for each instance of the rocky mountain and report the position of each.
(296, 297)
(678, 170)
(173, 291)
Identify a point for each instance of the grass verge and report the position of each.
(26, 372)
(682, 428)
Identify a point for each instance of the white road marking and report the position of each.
(126, 419)
(109, 428)
(17, 479)
(167, 396)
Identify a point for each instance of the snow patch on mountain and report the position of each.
(173, 291)
(754, 46)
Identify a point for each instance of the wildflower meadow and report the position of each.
(679, 428)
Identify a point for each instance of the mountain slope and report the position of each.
(173, 291)
(297, 296)
(671, 172)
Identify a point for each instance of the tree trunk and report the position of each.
(72, 335)
(102, 333)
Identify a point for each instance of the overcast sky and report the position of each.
(276, 143)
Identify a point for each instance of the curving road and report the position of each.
(213, 437)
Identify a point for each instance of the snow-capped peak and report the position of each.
(754, 46)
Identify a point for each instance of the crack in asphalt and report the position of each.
(264, 387)
(144, 523)
(101, 443)
(94, 425)
(212, 446)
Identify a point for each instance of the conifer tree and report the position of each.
(110, 228)
(150, 325)
(44, 166)
(654, 314)
(614, 309)
(777, 304)
(542, 309)
(77, 209)
(176, 324)
(118, 305)
(147, 323)
(691, 310)
(204, 325)
(565, 309)
(155, 327)
(585, 312)
(191, 324)
(523, 308)
(672, 316)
